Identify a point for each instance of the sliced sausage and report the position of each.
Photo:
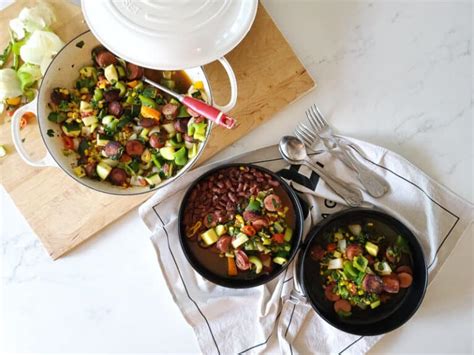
(250, 216)
(223, 243)
(125, 158)
(210, 220)
(342, 306)
(391, 283)
(147, 122)
(57, 97)
(266, 261)
(317, 252)
(90, 169)
(405, 279)
(372, 283)
(199, 119)
(242, 260)
(353, 250)
(181, 125)
(115, 108)
(134, 72)
(104, 58)
(134, 148)
(157, 140)
(192, 112)
(169, 111)
(330, 293)
(113, 149)
(260, 223)
(404, 268)
(118, 176)
(112, 95)
(272, 203)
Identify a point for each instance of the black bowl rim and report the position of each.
(299, 220)
(315, 231)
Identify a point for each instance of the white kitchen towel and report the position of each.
(274, 317)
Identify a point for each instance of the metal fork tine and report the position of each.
(320, 116)
(308, 131)
(300, 137)
(317, 118)
(303, 133)
(312, 120)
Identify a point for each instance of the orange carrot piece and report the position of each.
(231, 267)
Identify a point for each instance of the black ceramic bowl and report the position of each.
(249, 279)
(376, 321)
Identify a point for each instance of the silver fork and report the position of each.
(375, 185)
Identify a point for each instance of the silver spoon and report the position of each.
(294, 152)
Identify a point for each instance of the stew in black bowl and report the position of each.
(240, 225)
(363, 271)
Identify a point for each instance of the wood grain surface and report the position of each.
(64, 213)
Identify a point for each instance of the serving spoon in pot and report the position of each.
(294, 152)
(200, 107)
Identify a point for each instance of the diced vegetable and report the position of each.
(355, 229)
(209, 237)
(168, 153)
(382, 268)
(103, 170)
(239, 240)
(342, 245)
(360, 263)
(371, 248)
(111, 74)
(257, 263)
(288, 234)
(231, 267)
(153, 179)
(280, 260)
(221, 229)
(335, 264)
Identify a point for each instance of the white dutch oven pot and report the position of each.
(62, 72)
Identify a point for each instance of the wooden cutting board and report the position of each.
(62, 212)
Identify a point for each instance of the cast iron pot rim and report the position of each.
(315, 231)
(258, 281)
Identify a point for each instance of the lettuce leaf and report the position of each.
(28, 74)
(9, 84)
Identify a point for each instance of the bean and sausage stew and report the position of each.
(122, 130)
(363, 266)
(239, 222)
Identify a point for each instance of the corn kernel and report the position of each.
(199, 85)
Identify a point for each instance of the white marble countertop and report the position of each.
(398, 74)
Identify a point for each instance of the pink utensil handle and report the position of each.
(209, 112)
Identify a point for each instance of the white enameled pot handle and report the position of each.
(16, 136)
(233, 87)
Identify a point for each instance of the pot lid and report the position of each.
(169, 35)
